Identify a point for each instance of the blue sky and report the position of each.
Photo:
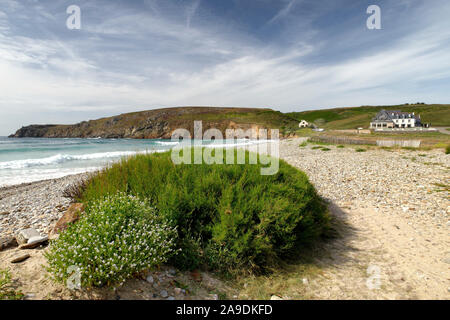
(289, 55)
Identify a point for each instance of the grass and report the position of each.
(6, 291)
(340, 146)
(228, 217)
(303, 144)
(443, 187)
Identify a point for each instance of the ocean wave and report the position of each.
(61, 158)
(167, 143)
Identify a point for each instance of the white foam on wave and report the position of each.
(61, 158)
(167, 143)
(27, 176)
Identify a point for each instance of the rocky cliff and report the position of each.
(161, 123)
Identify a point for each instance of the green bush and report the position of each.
(118, 236)
(340, 146)
(326, 149)
(447, 149)
(227, 216)
(360, 150)
(6, 292)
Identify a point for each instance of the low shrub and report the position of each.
(326, 149)
(118, 236)
(227, 216)
(6, 291)
(360, 150)
(75, 190)
(340, 146)
(447, 149)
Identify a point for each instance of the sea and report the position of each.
(24, 160)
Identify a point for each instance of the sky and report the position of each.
(289, 55)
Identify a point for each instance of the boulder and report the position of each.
(34, 242)
(72, 215)
(8, 242)
(24, 235)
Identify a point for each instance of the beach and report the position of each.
(391, 209)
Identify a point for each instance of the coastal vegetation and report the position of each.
(119, 236)
(6, 291)
(228, 218)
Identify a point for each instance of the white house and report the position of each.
(395, 119)
(303, 124)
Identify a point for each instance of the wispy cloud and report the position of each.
(284, 11)
(190, 11)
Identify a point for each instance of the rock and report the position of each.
(150, 279)
(20, 257)
(72, 215)
(214, 296)
(24, 235)
(34, 242)
(172, 272)
(170, 298)
(8, 242)
(447, 260)
(4, 213)
(275, 298)
(164, 294)
(305, 281)
(179, 291)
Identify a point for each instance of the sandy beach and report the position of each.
(391, 208)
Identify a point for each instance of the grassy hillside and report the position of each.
(351, 118)
(160, 123)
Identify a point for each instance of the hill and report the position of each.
(351, 118)
(160, 123)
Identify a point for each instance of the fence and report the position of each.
(341, 140)
(400, 143)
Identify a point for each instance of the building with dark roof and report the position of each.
(395, 119)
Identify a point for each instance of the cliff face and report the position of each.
(161, 123)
